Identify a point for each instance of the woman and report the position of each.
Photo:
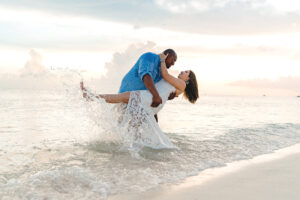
(138, 120)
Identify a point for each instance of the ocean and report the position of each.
(53, 145)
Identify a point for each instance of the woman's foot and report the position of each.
(83, 90)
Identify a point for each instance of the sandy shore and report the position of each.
(273, 176)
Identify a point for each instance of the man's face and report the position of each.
(171, 59)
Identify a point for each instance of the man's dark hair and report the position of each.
(170, 52)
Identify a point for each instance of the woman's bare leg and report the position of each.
(116, 98)
(109, 98)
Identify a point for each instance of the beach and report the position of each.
(47, 156)
(273, 176)
(87, 109)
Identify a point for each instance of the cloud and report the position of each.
(202, 6)
(195, 16)
(283, 6)
(120, 64)
(238, 49)
(283, 86)
(188, 6)
(179, 6)
(282, 83)
(34, 75)
(34, 67)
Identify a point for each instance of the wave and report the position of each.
(99, 169)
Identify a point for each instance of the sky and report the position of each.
(235, 47)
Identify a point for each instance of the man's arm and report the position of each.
(146, 68)
(156, 100)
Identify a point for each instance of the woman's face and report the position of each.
(184, 75)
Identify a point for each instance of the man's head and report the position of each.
(172, 57)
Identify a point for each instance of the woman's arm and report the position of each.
(178, 92)
(176, 82)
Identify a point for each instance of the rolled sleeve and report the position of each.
(146, 66)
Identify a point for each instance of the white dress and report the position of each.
(139, 123)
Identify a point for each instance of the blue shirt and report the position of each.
(148, 63)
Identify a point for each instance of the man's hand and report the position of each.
(172, 96)
(156, 100)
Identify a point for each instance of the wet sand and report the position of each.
(274, 176)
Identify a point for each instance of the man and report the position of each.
(145, 73)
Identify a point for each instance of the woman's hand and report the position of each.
(163, 57)
(163, 69)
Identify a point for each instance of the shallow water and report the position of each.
(52, 146)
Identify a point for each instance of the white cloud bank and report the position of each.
(120, 64)
(35, 75)
(34, 67)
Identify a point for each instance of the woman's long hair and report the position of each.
(191, 89)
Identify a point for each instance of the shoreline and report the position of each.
(269, 176)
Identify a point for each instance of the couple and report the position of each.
(144, 90)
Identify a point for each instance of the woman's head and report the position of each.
(191, 89)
